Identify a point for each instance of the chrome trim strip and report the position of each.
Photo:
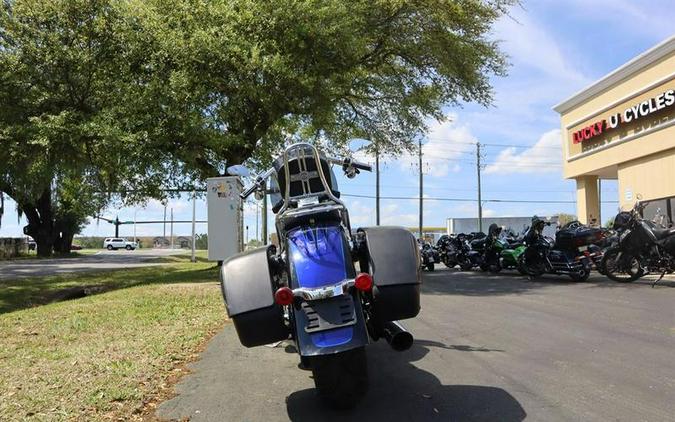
(325, 292)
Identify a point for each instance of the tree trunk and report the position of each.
(64, 241)
(40, 222)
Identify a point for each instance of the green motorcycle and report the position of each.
(508, 257)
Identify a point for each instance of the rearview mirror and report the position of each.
(238, 170)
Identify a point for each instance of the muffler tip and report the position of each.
(398, 337)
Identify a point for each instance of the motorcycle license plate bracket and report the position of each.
(327, 314)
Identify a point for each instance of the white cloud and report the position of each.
(542, 157)
(447, 145)
(530, 45)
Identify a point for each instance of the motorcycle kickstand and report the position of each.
(659, 279)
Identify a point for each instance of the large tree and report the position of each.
(136, 95)
(65, 139)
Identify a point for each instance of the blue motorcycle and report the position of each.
(308, 290)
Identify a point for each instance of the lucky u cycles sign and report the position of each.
(631, 114)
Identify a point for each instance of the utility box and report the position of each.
(225, 233)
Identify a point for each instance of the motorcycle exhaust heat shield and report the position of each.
(393, 258)
(246, 284)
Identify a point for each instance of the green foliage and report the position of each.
(134, 96)
(566, 218)
(237, 77)
(89, 242)
(202, 241)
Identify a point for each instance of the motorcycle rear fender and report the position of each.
(319, 256)
(330, 341)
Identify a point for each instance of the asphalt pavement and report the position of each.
(104, 260)
(487, 348)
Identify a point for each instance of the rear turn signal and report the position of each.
(283, 296)
(363, 282)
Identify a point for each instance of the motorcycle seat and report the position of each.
(515, 245)
(663, 233)
(323, 213)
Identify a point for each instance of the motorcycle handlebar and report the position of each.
(257, 184)
(361, 166)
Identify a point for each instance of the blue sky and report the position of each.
(556, 48)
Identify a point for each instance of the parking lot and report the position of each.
(488, 348)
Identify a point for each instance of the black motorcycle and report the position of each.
(465, 256)
(642, 248)
(429, 256)
(485, 249)
(544, 255)
(308, 290)
(447, 246)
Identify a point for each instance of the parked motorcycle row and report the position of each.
(633, 248)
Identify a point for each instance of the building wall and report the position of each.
(652, 177)
(644, 136)
(639, 152)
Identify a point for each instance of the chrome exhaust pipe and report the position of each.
(398, 337)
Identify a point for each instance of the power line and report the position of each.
(515, 201)
(491, 144)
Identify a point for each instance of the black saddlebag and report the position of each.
(246, 283)
(573, 238)
(393, 260)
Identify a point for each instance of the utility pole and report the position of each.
(480, 202)
(421, 189)
(257, 217)
(171, 228)
(377, 185)
(164, 232)
(194, 211)
(264, 215)
(135, 210)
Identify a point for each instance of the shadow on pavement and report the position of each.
(477, 283)
(401, 391)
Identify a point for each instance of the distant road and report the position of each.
(104, 260)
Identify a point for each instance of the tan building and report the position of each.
(623, 127)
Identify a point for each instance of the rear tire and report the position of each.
(341, 379)
(581, 276)
(430, 266)
(614, 273)
(110, 248)
(466, 266)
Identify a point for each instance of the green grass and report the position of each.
(104, 356)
